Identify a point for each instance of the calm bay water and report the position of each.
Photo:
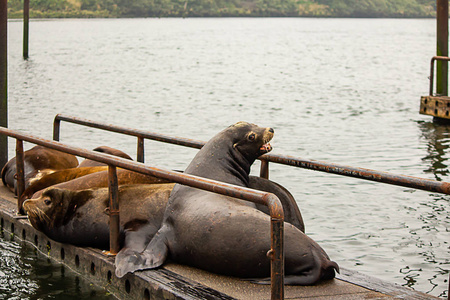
(339, 90)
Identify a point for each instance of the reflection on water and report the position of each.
(27, 274)
(437, 136)
(435, 217)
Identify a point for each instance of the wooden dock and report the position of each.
(175, 281)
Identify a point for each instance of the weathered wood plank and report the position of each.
(436, 106)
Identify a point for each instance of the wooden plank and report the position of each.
(436, 106)
(387, 288)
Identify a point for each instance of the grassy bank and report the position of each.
(224, 8)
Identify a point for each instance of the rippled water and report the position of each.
(26, 274)
(340, 90)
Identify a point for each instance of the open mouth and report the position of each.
(265, 148)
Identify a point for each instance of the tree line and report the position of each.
(224, 8)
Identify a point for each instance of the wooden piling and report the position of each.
(442, 47)
(26, 26)
(3, 80)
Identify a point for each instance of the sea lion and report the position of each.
(135, 241)
(103, 149)
(100, 179)
(55, 178)
(81, 217)
(38, 160)
(225, 235)
(291, 211)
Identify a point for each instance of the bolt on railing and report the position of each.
(275, 207)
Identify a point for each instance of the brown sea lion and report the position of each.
(55, 178)
(38, 160)
(81, 217)
(225, 235)
(100, 179)
(103, 149)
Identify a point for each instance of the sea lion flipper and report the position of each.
(153, 256)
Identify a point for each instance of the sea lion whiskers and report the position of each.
(44, 216)
(37, 213)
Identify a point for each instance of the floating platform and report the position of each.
(436, 106)
(174, 281)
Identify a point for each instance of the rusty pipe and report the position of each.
(140, 149)
(114, 211)
(433, 59)
(361, 173)
(129, 131)
(20, 172)
(264, 169)
(268, 199)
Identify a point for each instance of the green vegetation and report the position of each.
(223, 8)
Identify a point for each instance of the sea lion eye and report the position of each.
(251, 137)
(47, 202)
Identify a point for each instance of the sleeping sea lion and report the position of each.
(38, 160)
(100, 179)
(225, 235)
(81, 217)
(55, 178)
(107, 150)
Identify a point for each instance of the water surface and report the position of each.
(345, 91)
(27, 274)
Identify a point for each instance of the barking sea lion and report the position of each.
(225, 235)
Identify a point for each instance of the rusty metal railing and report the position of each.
(356, 172)
(276, 253)
(433, 59)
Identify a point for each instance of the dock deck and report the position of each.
(174, 281)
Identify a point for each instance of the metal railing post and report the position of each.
(114, 217)
(277, 258)
(264, 170)
(140, 149)
(56, 128)
(20, 170)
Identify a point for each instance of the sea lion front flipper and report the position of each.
(153, 256)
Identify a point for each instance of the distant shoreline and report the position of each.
(225, 9)
(17, 17)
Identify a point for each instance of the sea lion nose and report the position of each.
(271, 130)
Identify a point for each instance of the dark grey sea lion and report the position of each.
(291, 211)
(225, 235)
(81, 217)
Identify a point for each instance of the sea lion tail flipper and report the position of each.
(153, 256)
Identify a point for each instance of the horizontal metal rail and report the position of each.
(356, 172)
(275, 208)
(140, 134)
(433, 59)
